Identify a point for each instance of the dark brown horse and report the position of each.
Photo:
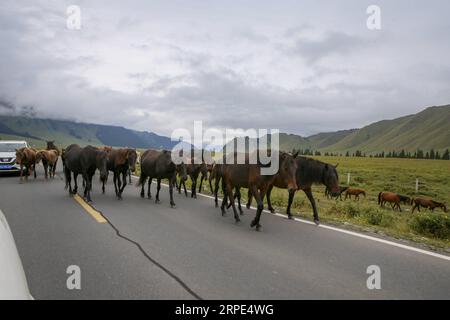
(91, 159)
(393, 198)
(328, 194)
(159, 165)
(354, 192)
(120, 162)
(309, 171)
(427, 203)
(26, 158)
(249, 176)
(49, 160)
(84, 161)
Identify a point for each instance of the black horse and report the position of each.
(159, 165)
(84, 161)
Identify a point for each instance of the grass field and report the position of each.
(375, 175)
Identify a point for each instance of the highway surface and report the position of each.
(142, 250)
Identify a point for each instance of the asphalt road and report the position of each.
(151, 251)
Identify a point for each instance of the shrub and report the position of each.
(432, 224)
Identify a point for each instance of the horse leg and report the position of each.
(259, 197)
(149, 194)
(158, 187)
(225, 195)
(216, 191)
(249, 199)
(129, 176)
(291, 199)
(231, 199)
(68, 180)
(124, 182)
(194, 187)
(172, 203)
(115, 182)
(238, 194)
(75, 179)
(89, 186)
(184, 187)
(34, 170)
(178, 185)
(201, 182)
(309, 194)
(269, 204)
(210, 183)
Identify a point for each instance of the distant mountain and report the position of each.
(67, 132)
(426, 130)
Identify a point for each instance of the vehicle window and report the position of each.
(11, 147)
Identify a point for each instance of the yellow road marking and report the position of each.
(94, 213)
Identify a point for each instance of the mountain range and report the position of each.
(426, 130)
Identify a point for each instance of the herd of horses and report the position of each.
(295, 173)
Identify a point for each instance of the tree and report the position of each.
(446, 155)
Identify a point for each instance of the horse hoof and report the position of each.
(173, 206)
(216, 205)
(223, 212)
(252, 224)
(142, 196)
(236, 221)
(290, 217)
(272, 210)
(316, 221)
(248, 206)
(258, 227)
(241, 213)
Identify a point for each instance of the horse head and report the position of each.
(330, 179)
(288, 171)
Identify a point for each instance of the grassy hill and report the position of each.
(426, 130)
(37, 131)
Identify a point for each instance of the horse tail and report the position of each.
(142, 179)
(364, 194)
(379, 197)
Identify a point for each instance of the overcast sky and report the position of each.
(299, 66)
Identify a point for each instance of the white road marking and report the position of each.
(352, 233)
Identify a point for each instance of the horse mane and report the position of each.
(311, 170)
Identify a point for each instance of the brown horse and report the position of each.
(249, 176)
(354, 192)
(393, 198)
(49, 160)
(159, 165)
(51, 146)
(309, 171)
(120, 162)
(26, 157)
(427, 203)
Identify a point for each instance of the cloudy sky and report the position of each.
(299, 66)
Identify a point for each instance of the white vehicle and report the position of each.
(8, 155)
(13, 283)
